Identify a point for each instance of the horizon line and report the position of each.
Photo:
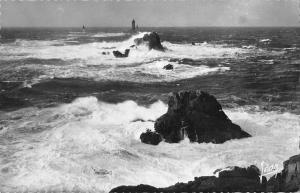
(275, 26)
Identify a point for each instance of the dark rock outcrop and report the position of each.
(288, 180)
(150, 137)
(235, 180)
(153, 41)
(200, 116)
(105, 53)
(168, 67)
(138, 188)
(118, 54)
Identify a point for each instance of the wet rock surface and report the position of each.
(153, 41)
(168, 67)
(288, 180)
(234, 179)
(198, 115)
(118, 54)
(150, 137)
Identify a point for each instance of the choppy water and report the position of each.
(67, 119)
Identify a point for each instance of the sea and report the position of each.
(71, 113)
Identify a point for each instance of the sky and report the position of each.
(151, 13)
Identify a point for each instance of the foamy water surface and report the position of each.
(90, 145)
(50, 142)
(88, 61)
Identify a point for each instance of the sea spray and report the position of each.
(90, 145)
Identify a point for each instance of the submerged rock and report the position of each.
(200, 116)
(153, 41)
(150, 137)
(118, 54)
(168, 67)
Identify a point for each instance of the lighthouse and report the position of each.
(133, 25)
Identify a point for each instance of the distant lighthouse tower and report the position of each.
(133, 25)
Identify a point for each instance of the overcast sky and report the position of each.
(115, 13)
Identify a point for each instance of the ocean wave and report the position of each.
(142, 65)
(265, 40)
(143, 73)
(83, 146)
(93, 51)
(103, 35)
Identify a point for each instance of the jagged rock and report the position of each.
(235, 180)
(150, 137)
(168, 67)
(200, 116)
(153, 41)
(288, 180)
(118, 54)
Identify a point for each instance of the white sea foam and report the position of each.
(265, 40)
(142, 65)
(88, 61)
(94, 146)
(103, 35)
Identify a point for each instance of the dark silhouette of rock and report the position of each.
(168, 67)
(150, 137)
(118, 54)
(193, 43)
(138, 188)
(105, 53)
(235, 180)
(153, 41)
(200, 116)
(288, 180)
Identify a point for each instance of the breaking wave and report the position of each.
(96, 61)
(102, 35)
(93, 146)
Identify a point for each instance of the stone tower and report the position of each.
(133, 25)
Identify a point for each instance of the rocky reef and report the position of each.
(149, 137)
(153, 41)
(168, 67)
(234, 179)
(288, 180)
(199, 116)
(118, 54)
